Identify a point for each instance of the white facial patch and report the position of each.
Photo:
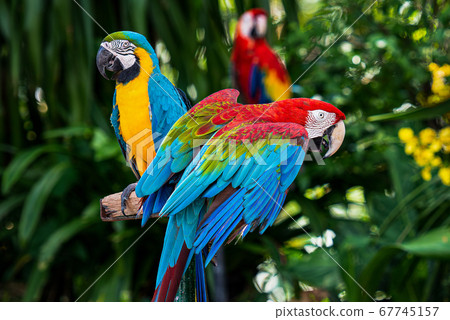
(246, 24)
(317, 122)
(261, 26)
(123, 50)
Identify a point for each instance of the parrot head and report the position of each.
(120, 54)
(323, 121)
(252, 24)
(324, 124)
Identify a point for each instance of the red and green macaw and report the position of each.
(145, 103)
(256, 69)
(233, 164)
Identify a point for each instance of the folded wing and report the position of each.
(245, 173)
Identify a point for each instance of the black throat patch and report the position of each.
(129, 74)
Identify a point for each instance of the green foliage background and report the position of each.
(58, 155)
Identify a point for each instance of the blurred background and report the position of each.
(380, 207)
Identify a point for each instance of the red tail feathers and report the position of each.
(167, 289)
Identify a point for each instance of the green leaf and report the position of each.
(36, 283)
(432, 244)
(9, 204)
(21, 162)
(67, 132)
(316, 269)
(36, 199)
(416, 114)
(104, 146)
(374, 270)
(63, 234)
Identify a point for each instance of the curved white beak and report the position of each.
(336, 138)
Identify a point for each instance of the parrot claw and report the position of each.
(125, 196)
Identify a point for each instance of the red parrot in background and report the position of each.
(257, 71)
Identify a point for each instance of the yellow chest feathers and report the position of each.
(135, 114)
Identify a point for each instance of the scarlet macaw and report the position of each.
(256, 69)
(248, 157)
(145, 102)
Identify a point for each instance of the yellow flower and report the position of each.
(444, 174)
(444, 136)
(445, 69)
(427, 136)
(411, 145)
(433, 99)
(435, 146)
(436, 162)
(426, 174)
(439, 87)
(421, 157)
(433, 66)
(405, 134)
(428, 154)
(410, 148)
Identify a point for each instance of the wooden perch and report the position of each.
(110, 208)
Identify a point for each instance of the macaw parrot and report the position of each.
(257, 71)
(236, 163)
(145, 102)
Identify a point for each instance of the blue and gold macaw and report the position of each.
(145, 103)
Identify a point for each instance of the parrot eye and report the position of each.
(319, 114)
(126, 44)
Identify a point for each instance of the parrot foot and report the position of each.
(125, 196)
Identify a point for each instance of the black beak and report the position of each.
(318, 144)
(330, 141)
(108, 61)
(253, 33)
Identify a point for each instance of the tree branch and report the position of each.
(110, 208)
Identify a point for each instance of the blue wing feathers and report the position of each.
(169, 242)
(232, 167)
(223, 235)
(242, 173)
(200, 280)
(167, 105)
(179, 163)
(276, 208)
(147, 208)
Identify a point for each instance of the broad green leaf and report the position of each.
(104, 146)
(21, 162)
(36, 283)
(416, 114)
(373, 271)
(65, 233)
(9, 204)
(316, 269)
(36, 199)
(67, 132)
(435, 243)
(4, 18)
